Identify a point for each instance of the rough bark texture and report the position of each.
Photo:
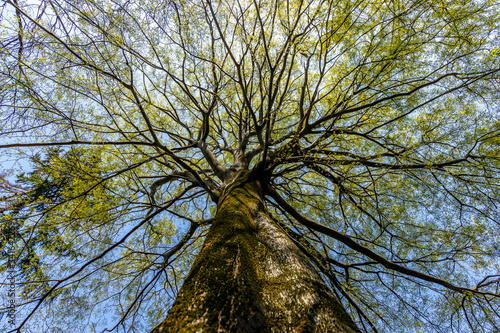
(250, 277)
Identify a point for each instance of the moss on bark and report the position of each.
(250, 277)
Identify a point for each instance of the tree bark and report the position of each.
(250, 277)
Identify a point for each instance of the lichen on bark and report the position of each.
(250, 276)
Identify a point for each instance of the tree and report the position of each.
(253, 166)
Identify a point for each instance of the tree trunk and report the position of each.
(250, 277)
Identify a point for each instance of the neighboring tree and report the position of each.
(252, 166)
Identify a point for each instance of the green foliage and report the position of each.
(378, 119)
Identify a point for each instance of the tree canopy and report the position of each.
(374, 124)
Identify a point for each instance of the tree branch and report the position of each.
(364, 250)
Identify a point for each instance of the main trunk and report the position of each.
(250, 277)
